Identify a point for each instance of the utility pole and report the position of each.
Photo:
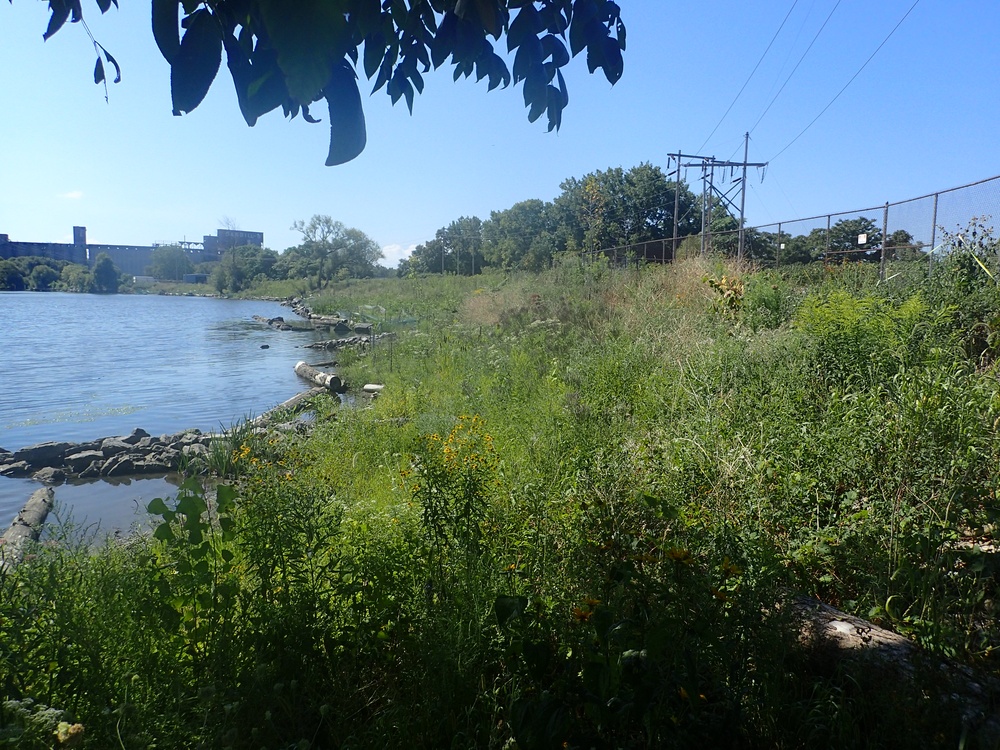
(708, 166)
(743, 193)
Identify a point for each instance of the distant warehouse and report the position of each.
(133, 260)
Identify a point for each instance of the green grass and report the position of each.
(569, 520)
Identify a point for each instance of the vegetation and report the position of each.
(37, 274)
(572, 519)
(291, 61)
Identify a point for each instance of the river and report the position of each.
(79, 367)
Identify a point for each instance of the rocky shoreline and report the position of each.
(135, 454)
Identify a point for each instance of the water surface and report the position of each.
(79, 367)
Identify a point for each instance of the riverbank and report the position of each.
(574, 516)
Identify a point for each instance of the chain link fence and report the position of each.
(912, 229)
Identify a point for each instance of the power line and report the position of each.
(771, 103)
(740, 93)
(823, 111)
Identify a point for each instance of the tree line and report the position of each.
(39, 274)
(622, 209)
(601, 210)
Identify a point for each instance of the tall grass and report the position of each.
(571, 519)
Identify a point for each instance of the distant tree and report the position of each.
(332, 246)
(170, 263)
(106, 275)
(243, 266)
(615, 207)
(900, 245)
(42, 278)
(76, 278)
(279, 58)
(803, 248)
(522, 236)
(11, 278)
(844, 240)
(456, 248)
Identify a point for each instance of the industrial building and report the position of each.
(133, 260)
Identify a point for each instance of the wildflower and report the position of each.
(730, 569)
(69, 735)
(581, 615)
(679, 554)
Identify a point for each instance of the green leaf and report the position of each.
(114, 63)
(310, 37)
(165, 28)
(197, 61)
(60, 12)
(506, 608)
(164, 533)
(157, 507)
(348, 134)
(374, 53)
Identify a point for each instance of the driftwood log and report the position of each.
(975, 698)
(25, 528)
(317, 377)
(294, 403)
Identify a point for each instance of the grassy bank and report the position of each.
(570, 520)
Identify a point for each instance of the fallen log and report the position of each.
(293, 404)
(25, 528)
(323, 379)
(974, 697)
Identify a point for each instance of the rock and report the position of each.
(135, 436)
(148, 444)
(152, 465)
(43, 454)
(119, 465)
(195, 449)
(16, 469)
(80, 461)
(93, 471)
(49, 475)
(265, 346)
(112, 446)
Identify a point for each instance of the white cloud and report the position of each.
(73, 195)
(395, 253)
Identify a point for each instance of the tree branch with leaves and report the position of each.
(294, 53)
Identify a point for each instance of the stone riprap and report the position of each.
(129, 455)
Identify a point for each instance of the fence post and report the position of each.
(930, 255)
(885, 238)
(777, 249)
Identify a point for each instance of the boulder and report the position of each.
(118, 466)
(49, 475)
(43, 454)
(195, 449)
(77, 462)
(112, 446)
(16, 469)
(135, 436)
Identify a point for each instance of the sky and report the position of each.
(920, 117)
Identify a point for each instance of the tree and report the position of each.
(106, 275)
(521, 236)
(900, 245)
(42, 278)
(456, 248)
(76, 278)
(11, 278)
(336, 249)
(170, 263)
(614, 208)
(845, 238)
(291, 60)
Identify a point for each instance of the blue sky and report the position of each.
(922, 116)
